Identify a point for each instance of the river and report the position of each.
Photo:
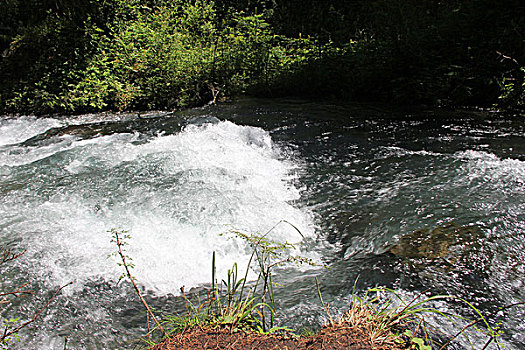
(415, 200)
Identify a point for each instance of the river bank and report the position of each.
(335, 337)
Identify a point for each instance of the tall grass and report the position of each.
(380, 316)
(236, 303)
(389, 318)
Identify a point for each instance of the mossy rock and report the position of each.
(437, 243)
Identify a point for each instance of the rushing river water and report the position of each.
(428, 200)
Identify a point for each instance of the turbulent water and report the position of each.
(411, 200)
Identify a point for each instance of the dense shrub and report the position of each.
(69, 56)
(167, 55)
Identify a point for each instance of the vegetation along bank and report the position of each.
(72, 57)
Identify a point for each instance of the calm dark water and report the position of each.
(413, 200)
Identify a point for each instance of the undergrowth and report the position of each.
(389, 318)
(85, 56)
(233, 302)
(382, 315)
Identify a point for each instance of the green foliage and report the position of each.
(159, 55)
(120, 239)
(268, 254)
(44, 53)
(388, 311)
(416, 342)
(408, 51)
(234, 303)
(513, 90)
(70, 56)
(381, 314)
(9, 323)
(308, 332)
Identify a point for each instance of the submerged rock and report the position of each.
(437, 243)
(147, 124)
(449, 247)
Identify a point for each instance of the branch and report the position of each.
(128, 273)
(17, 329)
(18, 292)
(8, 255)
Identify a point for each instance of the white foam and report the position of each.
(394, 151)
(174, 194)
(488, 167)
(22, 128)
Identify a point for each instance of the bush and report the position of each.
(73, 57)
